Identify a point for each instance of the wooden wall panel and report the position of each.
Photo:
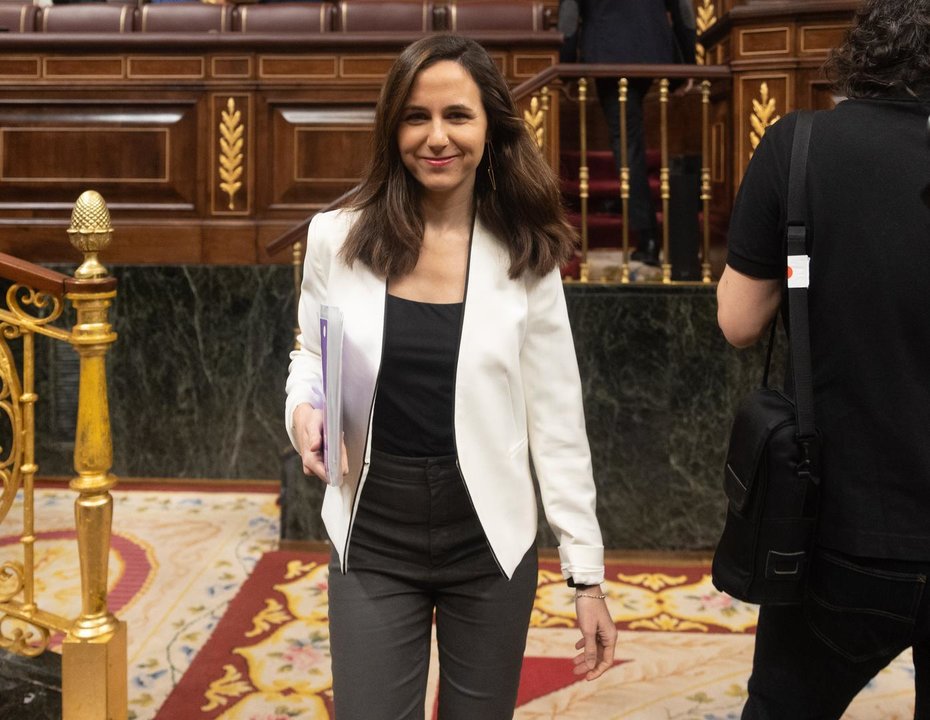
(294, 67)
(768, 41)
(235, 67)
(166, 67)
(135, 151)
(322, 151)
(84, 68)
(17, 69)
(88, 154)
(821, 38)
(526, 65)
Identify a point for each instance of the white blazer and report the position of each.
(517, 394)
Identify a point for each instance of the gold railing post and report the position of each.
(705, 179)
(664, 180)
(28, 469)
(94, 676)
(622, 89)
(583, 174)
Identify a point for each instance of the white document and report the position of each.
(331, 346)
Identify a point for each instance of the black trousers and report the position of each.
(418, 549)
(811, 660)
(641, 208)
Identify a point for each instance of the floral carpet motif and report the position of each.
(685, 651)
(221, 625)
(177, 558)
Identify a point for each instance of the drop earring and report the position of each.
(490, 154)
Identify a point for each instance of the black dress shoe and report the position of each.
(647, 252)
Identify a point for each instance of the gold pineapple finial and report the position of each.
(90, 232)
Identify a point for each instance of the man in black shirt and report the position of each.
(869, 242)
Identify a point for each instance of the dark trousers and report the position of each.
(641, 208)
(417, 549)
(812, 659)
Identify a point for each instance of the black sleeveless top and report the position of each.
(414, 404)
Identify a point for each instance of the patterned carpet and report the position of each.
(179, 558)
(684, 652)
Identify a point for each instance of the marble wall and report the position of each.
(660, 386)
(30, 688)
(197, 390)
(196, 377)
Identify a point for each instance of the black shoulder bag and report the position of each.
(771, 476)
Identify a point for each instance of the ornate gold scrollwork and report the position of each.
(706, 16)
(11, 411)
(763, 115)
(231, 143)
(22, 637)
(12, 580)
(31, 298)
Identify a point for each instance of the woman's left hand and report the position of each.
(598, 635)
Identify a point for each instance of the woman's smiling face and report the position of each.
(442, 131)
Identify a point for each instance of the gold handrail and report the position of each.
(573, 71)
(94, 661)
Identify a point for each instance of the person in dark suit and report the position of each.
(630, 31)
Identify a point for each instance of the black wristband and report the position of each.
(579, 586)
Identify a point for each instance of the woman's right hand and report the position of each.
(308, 434)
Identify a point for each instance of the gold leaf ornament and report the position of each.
(763, 115)
(667, 623)
(231, 685)
(706, 17)
(296, 569)
(653, 581)
(534, 119)
(273, 614)
(232, 142)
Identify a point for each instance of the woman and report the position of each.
(458, 366)
(869, 240)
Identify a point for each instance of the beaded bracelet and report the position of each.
(587, 595)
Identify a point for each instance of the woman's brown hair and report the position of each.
(887, 51)
(524, 211)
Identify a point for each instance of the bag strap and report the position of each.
(770, 346)
(799, 279)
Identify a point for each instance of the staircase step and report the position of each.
(601, 191)
(601, 163)
(596, 188)
(603, 230)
